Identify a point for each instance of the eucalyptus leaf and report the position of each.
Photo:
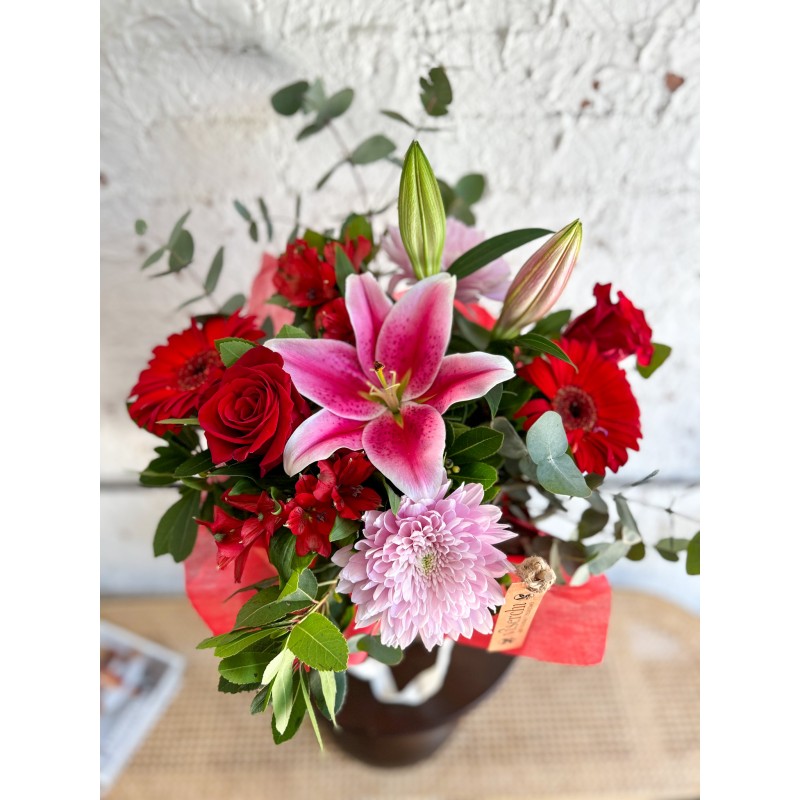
(372, 149)
(693, 555)
(140, 226)
(379, 651)
(289, 100)
(233, 304)
(630, 530)
(436, 94)
(604, 558)
(470, 188)
(154, 257)
(555, 470)
(243, 211)
(176, 230)
(181, 252)
(267, 220)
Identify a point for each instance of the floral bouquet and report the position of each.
(355, 447)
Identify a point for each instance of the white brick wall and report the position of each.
(564, 105)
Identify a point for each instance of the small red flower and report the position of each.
(618, 329)
(333, 322)
(596, 404)
(310, 519)
(183, 371)
(341, 478)
(235, 537)
(303, 278)
(253, 411)
(356, 251)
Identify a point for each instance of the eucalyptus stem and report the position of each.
(362, 189)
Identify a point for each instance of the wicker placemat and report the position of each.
(626, 729)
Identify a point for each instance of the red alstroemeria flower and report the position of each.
(342, 479)
(356, 251)
(183, 371)
(303, 278)
(596, 404)
(618, 329)
(310, 518)
(333, 322)
(235, 537)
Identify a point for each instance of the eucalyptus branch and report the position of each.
(360, 185)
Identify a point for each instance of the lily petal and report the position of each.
(415, 334)
(327, 372)
(466, 376)
(321, 435)
(409, 455)
(367, 307)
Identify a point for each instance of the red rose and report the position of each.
(618, 330)
(253, 411)
(333, 322)
(303, 278)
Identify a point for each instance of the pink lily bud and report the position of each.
(540, 282)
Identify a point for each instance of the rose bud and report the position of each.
(540, 282)
(421, 214)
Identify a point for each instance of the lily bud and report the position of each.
(540, 282)
(421, 213)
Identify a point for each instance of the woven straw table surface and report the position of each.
(626, 729)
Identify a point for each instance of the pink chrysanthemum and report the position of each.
(429, 570)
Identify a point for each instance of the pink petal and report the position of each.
(262, 289)
(327, 372)
(410, 456)
(367, 307)
(466, 376)
(415, 334)
(321, 435)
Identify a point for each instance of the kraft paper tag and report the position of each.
(515, 617)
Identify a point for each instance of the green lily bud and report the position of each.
(421, 213)
(540, 282)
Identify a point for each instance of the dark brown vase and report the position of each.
(389, 735)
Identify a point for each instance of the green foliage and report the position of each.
(693, 555)
(194, 465)
(630, 530)
(356, 225)
(322, 698)
(595, 518)
(532, 343)
(555, 470)
(493, 397)
(232, 348)
(552, 324)
(265, 216)
(493, 248)
(660, 355)
(292, 332)
(481, 473)
(317, 642)
(670, 547)
(379, 651)
(283, 555)
(372, 149)
(459, 199)
(436, 94)
(342, 528)
(604, 556)
(177, 530)
(140, 226)
(182, 252)
(343, 267)
(214, 271)
(289, 100)
(245, 668)
(232, 304)
(475, 444)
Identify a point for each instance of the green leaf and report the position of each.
(192, 300)
(267, 221)
(660, 355)
(636, 553)
(594, 519)
(343, 267)
(342, 528)
(182, 252)
(140, 226)
(492, 397)
(470, 188)
(275, 666)
(436, 92)
(253, 231)
(328, 175)
(222, 638)
(178, 421)
(282, 694)
(484, 474)
(176, 531)
(176, 230)
(309, 130)
(397, 117)
(311, 715)
(421, 213)
(373, 149)
(234, 688)
(315, 685)
(327, 680)
(670, 547)
(475, 334)
(258, 704)
(553, 323)
(337, 104)
(301, 587)
(288, 100)
(379, 651)
(630, 530)
(282, 552)
(646, 478)
(693, 555)
(279, 300)
(317, 642)
(476, 444)
(295, 719)
(201, 462)
(394, 498)
(242, 211)
(232, 348)
(513, 446)
(245, 668)
(265, 608)
(236, 646)
(605, 557)
(491, 249)
(555, 470)
(154, 257)
(354, 226)
(233, 304)
(291, 332)
(250, 613)
(534, 343)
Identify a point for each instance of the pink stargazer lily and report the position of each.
(387, 394)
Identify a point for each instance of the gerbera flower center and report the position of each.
(576, 407)
(194, 373)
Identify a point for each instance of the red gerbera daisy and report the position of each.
(596, 404)
(181, 372)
